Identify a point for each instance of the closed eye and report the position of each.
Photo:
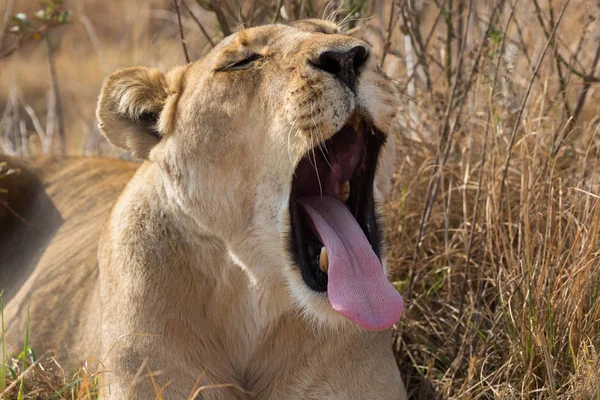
(239, 65)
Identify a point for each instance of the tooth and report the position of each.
(323, 260)
(345, 191)
(355, 122)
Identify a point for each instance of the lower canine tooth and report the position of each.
(345, 191)
(356, 122)
(323, 260)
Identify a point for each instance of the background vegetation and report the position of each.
(494, 220)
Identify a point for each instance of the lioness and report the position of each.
(246, 250)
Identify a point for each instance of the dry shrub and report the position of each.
(494, 220)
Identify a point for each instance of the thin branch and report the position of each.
(449, 35)
(388, 40)
(91, 31)
(590, 77)
(56, 90)
(522, 108)
(197, 21)
(561, 79)
(580, 103)
(37, 126)
(277, 12)
(7, 13)
(416, 39)
(181, 36)
(20, 377)
(216, 8)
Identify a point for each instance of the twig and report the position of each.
(56, 90)
(522, 108)
(50, 116)
(410, 68)
(277, 11)
(460, 28)
(20, 377)
(37, 126)
(181, 36)
(566, 63)
(91, 31)
(240, 16)
(580, 103)
(561, 79)
(418, 46)
(215, 6)
(388, 41)
(449, 35)
(523, 46)
(197, 21)
(7, 13)
(15, 117)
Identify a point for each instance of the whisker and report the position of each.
(325, 10)
(322, 141)
(334, 13)
(339, 24)
(346, 22)
(312, 147)
(322, 145)
(289, 145)
(317, 171)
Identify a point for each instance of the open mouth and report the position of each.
(335, 237)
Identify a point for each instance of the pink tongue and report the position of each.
(358, 288)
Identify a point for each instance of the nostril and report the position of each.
(360, 56)
(330, 62)
(345, 65)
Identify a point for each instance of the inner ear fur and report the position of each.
(129, 108)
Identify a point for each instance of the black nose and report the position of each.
(345, 65)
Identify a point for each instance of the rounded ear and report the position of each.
(129, 108)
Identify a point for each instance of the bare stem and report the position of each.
(390, 28)
(197, 21)
(412, 27)
(181, 35)
(277, 11)
(216, 8)
(449, 34)
(56, 90)
(7, 12)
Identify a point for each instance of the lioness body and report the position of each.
(49, 264)
(195, 277)
(51, 218)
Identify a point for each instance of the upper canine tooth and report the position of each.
(345, 191)
(323, 260)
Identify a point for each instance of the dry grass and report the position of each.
(494, 222)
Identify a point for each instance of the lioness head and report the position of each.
(279, 143)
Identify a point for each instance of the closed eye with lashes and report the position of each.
(240, 65)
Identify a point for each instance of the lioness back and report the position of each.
(51, 214)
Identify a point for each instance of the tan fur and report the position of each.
(194, 276)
